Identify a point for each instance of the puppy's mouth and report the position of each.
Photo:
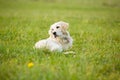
(55, 34)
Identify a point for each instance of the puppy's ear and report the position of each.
(49, 32)
(65, 25)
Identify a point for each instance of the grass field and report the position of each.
(94, 26)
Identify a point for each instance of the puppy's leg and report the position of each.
(59, 49)
(41, 44)
(56, 47)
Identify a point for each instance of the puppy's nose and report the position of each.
(54, 33)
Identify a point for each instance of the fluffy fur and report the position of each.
(59, 39)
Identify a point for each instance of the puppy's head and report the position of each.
(58, 29)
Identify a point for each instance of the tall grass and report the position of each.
(94, 26)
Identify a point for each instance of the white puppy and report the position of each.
(59, 39)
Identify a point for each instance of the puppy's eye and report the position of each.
(58, 27)
(52, 29)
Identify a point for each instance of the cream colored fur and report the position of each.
(59, 39)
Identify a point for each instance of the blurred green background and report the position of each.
(94, 26)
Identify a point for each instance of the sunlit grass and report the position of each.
(94, 26)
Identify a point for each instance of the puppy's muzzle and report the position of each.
(55, 34)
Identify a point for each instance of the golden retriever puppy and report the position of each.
(59, 39)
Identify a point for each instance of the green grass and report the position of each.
(94, 26)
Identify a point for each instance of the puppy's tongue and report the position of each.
(55, 36)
